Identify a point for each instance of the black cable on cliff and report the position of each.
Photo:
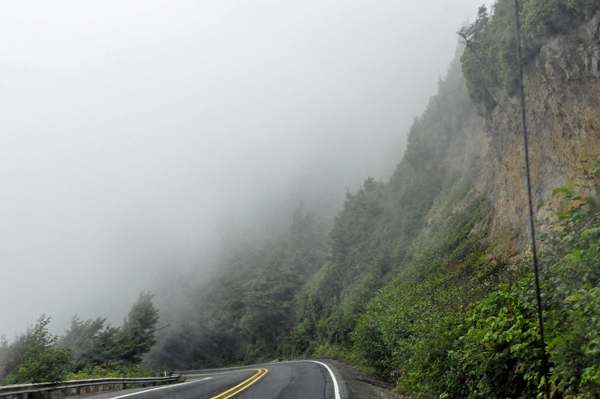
(531, 225)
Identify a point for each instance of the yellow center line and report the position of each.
(240, 387)
(260, 373)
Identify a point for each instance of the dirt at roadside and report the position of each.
(361, 385)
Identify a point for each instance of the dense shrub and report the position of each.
(111, 370)
(33, 356)
(491, 348)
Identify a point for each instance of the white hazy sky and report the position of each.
(130, 130)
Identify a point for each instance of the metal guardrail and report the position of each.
(81, 387)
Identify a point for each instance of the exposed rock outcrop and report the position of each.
(562, 86)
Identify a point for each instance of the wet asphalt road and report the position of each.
(289, 380)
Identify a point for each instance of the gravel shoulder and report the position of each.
(356, 384)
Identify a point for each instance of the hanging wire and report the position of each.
(529, 198)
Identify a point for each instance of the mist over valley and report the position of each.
(339, 197)
(136, 138)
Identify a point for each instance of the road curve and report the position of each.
(304, 379)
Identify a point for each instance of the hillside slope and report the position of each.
(424, 279)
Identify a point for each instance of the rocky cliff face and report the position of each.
(563, 109)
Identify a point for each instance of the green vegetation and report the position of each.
(89, 349)
(411, 286)
(112, 370)
(299, 296)
(406, 281)
(373, 237)
(247, 311)
(95, 343)
(490, 59)
(33, 356)
(427, 336)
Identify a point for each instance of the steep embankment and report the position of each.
(420, 219)
(563, 97)
(425, 280)
(416, 330)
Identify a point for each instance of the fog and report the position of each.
(136, 135)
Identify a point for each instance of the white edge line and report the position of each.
(156, 389)
(336, 390)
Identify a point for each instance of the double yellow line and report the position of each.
(260, 373)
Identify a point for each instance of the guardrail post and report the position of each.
(69, 391)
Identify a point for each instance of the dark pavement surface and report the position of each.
(290, 380)
(303, 379)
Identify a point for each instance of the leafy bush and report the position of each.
(491, 348)
(575, 344)
(501, 351)
(404, 335)
(111, 370)
(34, 356)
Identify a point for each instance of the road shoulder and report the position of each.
(356, 384)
